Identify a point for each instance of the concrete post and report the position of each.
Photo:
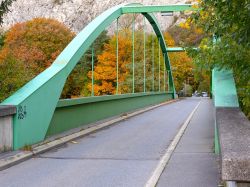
(231, 184)
(6, 127)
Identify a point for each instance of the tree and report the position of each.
(37, 42)
(229, 22)
(182, 65)
(105, 69)
(78, 81)
(13, 75)
(186, 35)
(31, 46)
(4, 8)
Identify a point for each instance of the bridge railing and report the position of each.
(232, 130)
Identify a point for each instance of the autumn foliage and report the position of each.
(182, 65)
(37, 42)
(105, 70)
(32, 46)
(29, 48)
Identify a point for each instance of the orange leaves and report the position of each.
(182, 65)
(105, 70)
(36, 42)
(29, 48)
(184, 25)
(169, 40)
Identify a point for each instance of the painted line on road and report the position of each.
(24, 155)
(166, 157)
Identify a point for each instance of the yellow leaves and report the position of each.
(105, 70)
(204, 15)
(104, 88)
(198, 30)
(169, 40)
(184, 25)
(204, 47)
(196, 5)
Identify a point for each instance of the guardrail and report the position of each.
(73, 113)
(232, 131)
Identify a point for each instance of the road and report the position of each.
(124, 154)
(193, 161)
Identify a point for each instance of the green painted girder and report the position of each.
(178, 49)
(224, 89)
(162, 8)
(175, 49)
(74, 113)
(36, 101)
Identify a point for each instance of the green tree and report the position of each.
(229, 22)
(13, 75)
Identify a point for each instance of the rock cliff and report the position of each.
(74, 13)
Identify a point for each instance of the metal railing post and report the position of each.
(133, 51)
(92, 70)
(159, 68)
(117, 56)
(153, 77)
(168, 81)
(144, 55)
(164, 65)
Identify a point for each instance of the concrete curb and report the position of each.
(153, 180)
(24, 155)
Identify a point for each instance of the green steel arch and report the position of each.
(37, 100)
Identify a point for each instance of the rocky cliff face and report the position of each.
(74, 13)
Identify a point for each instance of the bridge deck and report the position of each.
(193, 161)
(127, 153)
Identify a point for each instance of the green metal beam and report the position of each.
(133, 54)
(73, 113)
(164, 81)
(153, 65)
(159, 66)
(224, 88)
(144, 55)
(163, 8)
(92, 71)
(175, 49)
(117, 56)
(178, 49)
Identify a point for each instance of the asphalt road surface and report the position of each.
(124, 154)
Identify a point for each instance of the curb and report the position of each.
(25, 155)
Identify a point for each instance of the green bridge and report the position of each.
(35, 113)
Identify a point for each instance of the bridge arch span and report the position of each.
(39, 97)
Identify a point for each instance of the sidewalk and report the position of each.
(193, 163)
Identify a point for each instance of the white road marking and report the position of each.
(166, 157)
